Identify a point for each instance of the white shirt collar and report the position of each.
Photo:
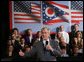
(44, 42)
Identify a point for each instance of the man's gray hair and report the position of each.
(46, 28)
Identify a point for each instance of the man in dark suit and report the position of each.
(45, 50)
(28, 37)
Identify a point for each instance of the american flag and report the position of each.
(26, 12)
(76, 11)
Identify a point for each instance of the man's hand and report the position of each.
(21, 53)
(48, 47)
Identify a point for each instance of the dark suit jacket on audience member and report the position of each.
(17, 48)
(38, 51)
(27, 41)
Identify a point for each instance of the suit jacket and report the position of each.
(27, 40)
(38, 51)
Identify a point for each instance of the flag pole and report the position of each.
(41, 16)
(12, 14)
(70, 13)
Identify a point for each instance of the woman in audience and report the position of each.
(79, 36)
(76, 42)
(15, 31)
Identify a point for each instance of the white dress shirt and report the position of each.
(44, 42)
(30, 38)
(22, 45)
(66, 36)
(13, 41)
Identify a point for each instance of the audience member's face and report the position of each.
(11, 48)
(13, 36)
(78, 34)
(22, 40)
(15, 32)
(75, 50)
(61, 28)
(45, 34)
(9, 42)
(29, 32)
(76, 27)
(27, 49)
(75, 40)
(39, 34)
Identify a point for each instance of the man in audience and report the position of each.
(22, 43)
(28, 37)
(38, 35)
(64, 34)
(46, 49)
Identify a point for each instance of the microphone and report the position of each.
(46, 42)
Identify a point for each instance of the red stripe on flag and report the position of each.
(10, 14)
(35, 9)
(75, 21)
(76, 16)
(35, 3)
(76, 12)
(27, 15)
(26, 19)
(35, 13)
(36, 6)
(25, 22)
(63, 6)
(56, 21)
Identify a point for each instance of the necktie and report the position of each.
(47, 52)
